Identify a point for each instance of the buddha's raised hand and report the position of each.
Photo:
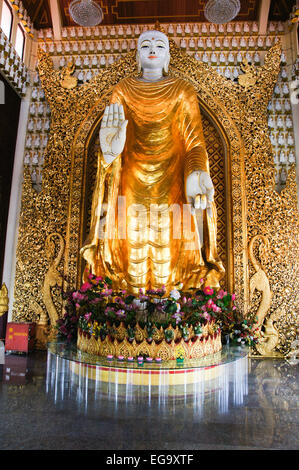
(113, 132)
(200, 191)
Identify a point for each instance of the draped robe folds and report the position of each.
(142, 233)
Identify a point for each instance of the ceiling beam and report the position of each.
(56, 18)
(263, 16)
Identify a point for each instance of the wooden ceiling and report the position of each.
(150, 11)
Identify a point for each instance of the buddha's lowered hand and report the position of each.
(200, 191)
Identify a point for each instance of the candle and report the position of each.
(130, 359)
(109, 357)
(140, 359)
(120, 358)
(149, 359)
(158, 359)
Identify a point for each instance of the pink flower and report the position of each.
(85, 287)
(216, 309)
(78, 296)
(207, 316)
(87, 316)
(208, 290)
(221, 294)
(233, 296)
(121, 313)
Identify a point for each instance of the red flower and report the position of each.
(208, 290)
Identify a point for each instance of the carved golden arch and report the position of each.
(235, 183)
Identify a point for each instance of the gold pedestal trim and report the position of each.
(196, 348)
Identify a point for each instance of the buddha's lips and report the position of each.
(152, 57)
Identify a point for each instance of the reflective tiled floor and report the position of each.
(43, 405)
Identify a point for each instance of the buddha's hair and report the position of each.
(141, 37)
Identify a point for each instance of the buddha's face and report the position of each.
(153, 50)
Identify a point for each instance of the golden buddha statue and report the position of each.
(153, 176)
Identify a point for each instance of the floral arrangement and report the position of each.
(241, 331)
(97, 309)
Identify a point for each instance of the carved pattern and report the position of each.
(3, 299)
(268, 343)
(165, 350)
(259, 281)
(52, 277)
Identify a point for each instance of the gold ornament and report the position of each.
(3, 300)
(248, 79)
(68, 81)
(259, 281)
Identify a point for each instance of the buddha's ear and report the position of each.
(138, 62)
(166, 65)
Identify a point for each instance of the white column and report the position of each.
(56, 19)
(263, 16)
(1, 3)
(15, 23)
(14, 204)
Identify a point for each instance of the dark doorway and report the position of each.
(9, 119)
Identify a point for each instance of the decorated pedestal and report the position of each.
(120, 346)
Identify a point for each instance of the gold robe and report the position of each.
(148, 237)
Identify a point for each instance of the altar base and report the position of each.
(124, 380)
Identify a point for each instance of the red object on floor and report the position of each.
(20, 337)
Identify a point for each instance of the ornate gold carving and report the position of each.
(52, 277)
(3, 300)
(68, 81)
(260, 281)
(248, 79)
(268, 342)
(199, 347)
